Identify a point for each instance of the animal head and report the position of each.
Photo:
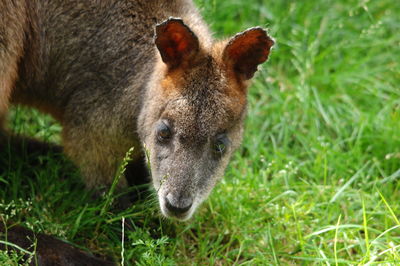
(192, 119)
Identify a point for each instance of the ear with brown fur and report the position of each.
(176, 43)
(246, 50)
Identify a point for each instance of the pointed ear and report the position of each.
(246, 50)
(176, 42)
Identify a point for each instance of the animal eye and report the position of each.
(163, 132)
(220, 145)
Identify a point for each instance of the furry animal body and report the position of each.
(136, 73)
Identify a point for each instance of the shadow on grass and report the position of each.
(40, 189)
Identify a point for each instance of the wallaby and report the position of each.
(135, 73)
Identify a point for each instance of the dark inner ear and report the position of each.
(176, 42)
(245, 51)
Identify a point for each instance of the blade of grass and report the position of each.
(389, 208)
(335, 241)
(349, 182)
(367, 245)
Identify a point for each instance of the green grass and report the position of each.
(315, 181)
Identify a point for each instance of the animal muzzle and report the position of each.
(177, 205)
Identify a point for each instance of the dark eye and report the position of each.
(163, 132)
(220, 145)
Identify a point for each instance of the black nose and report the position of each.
(177, 207)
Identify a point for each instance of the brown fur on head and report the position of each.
(193, 117)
